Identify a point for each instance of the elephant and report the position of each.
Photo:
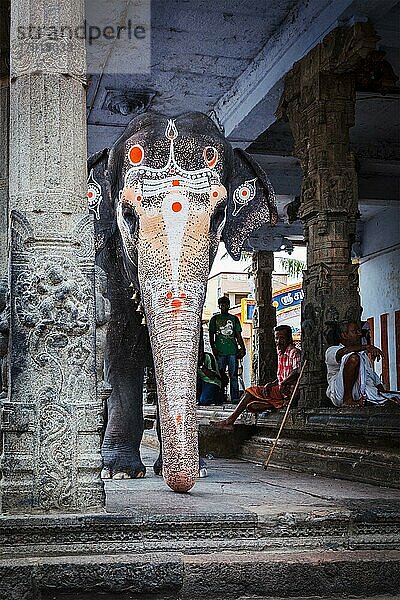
(163, 197)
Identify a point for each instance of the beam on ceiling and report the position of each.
(289, 44)
(248, 108)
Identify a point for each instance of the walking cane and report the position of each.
(266, 462)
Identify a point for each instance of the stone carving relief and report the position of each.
(51, 303)
(353, 313)
(4, 335)
(332, 314)
(21, 232)
(55, 56)
(83, 238)
(103, 308)
(56, 448)
(310, 331)
(323, 224)
(338, 191)
(308, 194)
(324, 275)
(52, 307)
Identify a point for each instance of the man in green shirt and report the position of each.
(209, 379)
(227, 343)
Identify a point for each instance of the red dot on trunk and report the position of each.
(176, 303)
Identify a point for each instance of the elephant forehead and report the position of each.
(191, 152)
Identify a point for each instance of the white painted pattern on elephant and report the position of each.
(243, 195)
(94, 195)
(175, 211)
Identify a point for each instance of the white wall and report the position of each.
(380, 278)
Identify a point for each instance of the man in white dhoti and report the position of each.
(351, 378)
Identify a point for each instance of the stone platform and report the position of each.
(351, 443)
(241, 533)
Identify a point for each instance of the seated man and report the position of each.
(274, 394)
(209, 379)
(351, 378)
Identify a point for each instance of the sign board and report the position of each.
(287, 302)
(247, 309)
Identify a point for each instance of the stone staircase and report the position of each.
(361, 445)
(304, 554)
(242, 534)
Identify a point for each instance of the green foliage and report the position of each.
(293, 267)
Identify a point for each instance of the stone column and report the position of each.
(264, 360)
(4, 126)
(319, 102)
(51, 420)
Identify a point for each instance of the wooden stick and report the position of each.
(268, 460)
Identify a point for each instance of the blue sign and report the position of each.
(287, 299)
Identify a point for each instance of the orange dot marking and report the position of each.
(244, 193)
(136, 155)
(215, 194)
(176, 303)
(138, 198)
(179, 419)
(176, 206)
(175, 182)
(169, 295)
(183, 295)
(90, 195)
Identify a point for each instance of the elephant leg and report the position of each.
(120, 450)
(127, 353)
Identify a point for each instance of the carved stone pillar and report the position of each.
(4, 126)
(51, 420)
(319, 101)
(264, 360)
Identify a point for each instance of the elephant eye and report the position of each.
(130, 218)
(210, 155)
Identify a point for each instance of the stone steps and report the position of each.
(243, 534)
(349, 443)
(355, 525)
(372, 465)
(234, 576)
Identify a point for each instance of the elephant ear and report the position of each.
(99, 199)
(251, 203)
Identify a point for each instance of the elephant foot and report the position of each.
(120, 472)
(106, 473)
(123, 475)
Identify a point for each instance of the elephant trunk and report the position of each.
(174, 321)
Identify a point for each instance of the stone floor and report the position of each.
(234, 486)
(242, 533)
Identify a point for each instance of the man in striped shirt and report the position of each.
(275, 394)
